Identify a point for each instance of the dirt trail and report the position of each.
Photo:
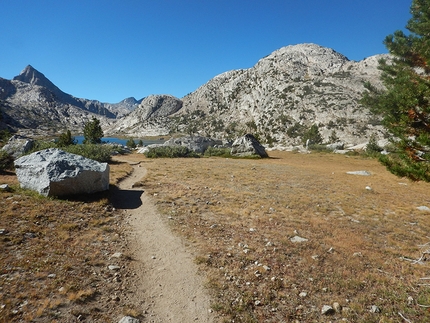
(169, 288)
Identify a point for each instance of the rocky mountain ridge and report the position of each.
(286, 93)
(30, 100)
(278, 100)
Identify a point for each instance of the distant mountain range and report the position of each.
(280, 97)
(32, 101)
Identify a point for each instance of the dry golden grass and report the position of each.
(54, 256)
(240, 215)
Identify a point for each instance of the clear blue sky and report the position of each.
(108, 50)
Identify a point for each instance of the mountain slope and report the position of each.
(150, 118)
(283, 95)
(30, 100)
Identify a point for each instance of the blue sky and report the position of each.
(108, 50)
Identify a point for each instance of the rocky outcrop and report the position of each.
(18, 145)
(150, 118)
(283, 95)
(197, 144)
(53, 172)
(248, 145)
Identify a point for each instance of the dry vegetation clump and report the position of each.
(55, 253)
(364, 236)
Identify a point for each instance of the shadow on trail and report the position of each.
(125, 199)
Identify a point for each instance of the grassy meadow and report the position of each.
(365, 254)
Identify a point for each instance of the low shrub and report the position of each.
(218, 152)
(101, 153)
(6, 161)
(319, 148)
(170, 152)
(98, 152)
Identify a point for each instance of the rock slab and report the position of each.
(54, 172)
(197, 144)
(18, 145)
(248, 145)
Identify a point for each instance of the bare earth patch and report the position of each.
(167, 286)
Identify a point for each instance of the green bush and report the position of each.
(170, 152)
(319, 147)
(219, 152)
(100, 153)
(130, 143)
(6, 161)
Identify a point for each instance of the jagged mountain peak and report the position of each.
(32, 76)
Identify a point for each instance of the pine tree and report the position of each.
(405, 104)
(93, 132)
(66, 139)
(313, 135)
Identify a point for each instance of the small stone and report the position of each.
(266, 268)
(327, 310)
(129, 319)
(357, 254)
(303, 294)
(423, 208)
(3, 231)
(117, 255)
(257, 303)
(298, 239)
(410, 300)
(5, 188)
(114, 267)
(252, 230)
(375, 309)
(337, 307)
(359, 172)
(368, 188)
(52, 275)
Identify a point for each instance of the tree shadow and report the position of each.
(125, 199)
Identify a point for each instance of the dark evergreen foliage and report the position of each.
(93, 132)
(405, 104)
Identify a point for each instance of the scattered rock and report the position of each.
(197, 144)
(114, 267)
(129, 319)
(327, 310)
(296, 239)
(5, 188)
(303, 294)
(359, 172)
(337, 307)
(375, 309)
(336, 146)
(53, 172)
(368, 188)
(423, 208)
(117, 255)
(248, 145)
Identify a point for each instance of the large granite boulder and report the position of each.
(18, 145)
(53, 172)
(248, 145)
(197, 144)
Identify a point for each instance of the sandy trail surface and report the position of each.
(168, 286)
